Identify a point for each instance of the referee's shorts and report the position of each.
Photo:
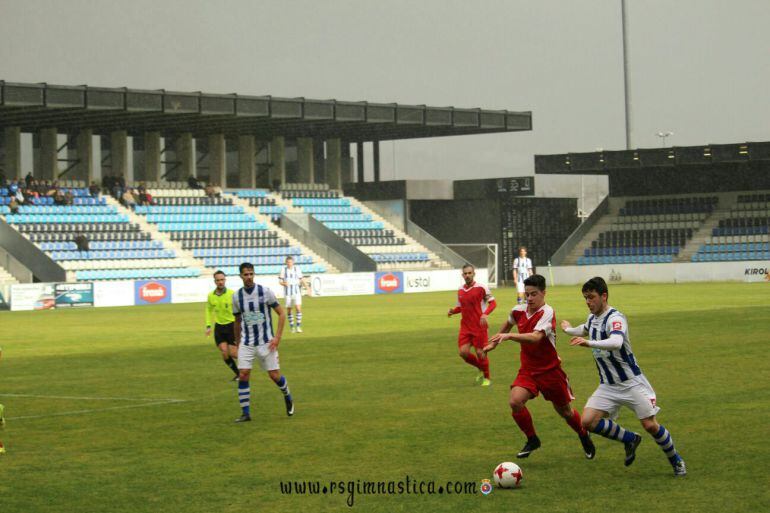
(224, 333)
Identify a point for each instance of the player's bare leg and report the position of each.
(244, 395)
(229, 353)
(470, 358)
(280, 381)
(663, 438)
(518, 402)
(298, 308)
(572, 417)
(598, 421)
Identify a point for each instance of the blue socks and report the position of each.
(666, 443)
(613, 431)
(244, 393)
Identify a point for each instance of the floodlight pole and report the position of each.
(626, 81)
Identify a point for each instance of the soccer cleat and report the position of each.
(679, 468)
(243, 418)
(588, 446)
(299, 329)
(235, 378)
(289, 405)
(2, 448)
(293, 329)
(532, 444)
(485, 382)
(479, 378)
(631, 449)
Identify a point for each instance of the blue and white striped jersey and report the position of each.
(523, 266)
(254, 306)
(293, 279)
(617, 366)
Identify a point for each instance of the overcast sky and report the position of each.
(699, 68)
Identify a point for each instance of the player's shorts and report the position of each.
(520, 286)
(477, 339)
(268, 360)
(637, 395)
(553, 384)
(224, 333)
(294, 300)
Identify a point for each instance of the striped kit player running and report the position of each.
(621, 381)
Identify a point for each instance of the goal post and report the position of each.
(482, 255)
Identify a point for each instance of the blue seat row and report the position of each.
(346, 218)
(137, 274)
(48, 200)
(381, 258)
(200, 218)
(223, 261)
(272, 209)
(370, 225)
(729, 248)
(320, 202)
(632, 259)
(67, 209)
(332, 210)
(191, 227)
(251, 193)
(188, 209)
(119, 254)
(275, 269)
(748, 230)
(632, 250)
(97, 246)
(65, 218)
(246, 252)
(736, 255)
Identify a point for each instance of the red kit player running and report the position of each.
(540, 366)
(475, 302)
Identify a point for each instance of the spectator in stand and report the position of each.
(193, 183)
(128, 200)
(93, 190)
(28, 179)
(59, 198)
(69, 198)
(14, 205)
(81, 241)
(108, 182)
(212, 192)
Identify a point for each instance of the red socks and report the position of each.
(482, 365)
(524, 421)
(574, 423)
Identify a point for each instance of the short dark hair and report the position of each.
(289, 257)
(523, 247)
(245, 265)
(596, 284)
(536, 280)
(220, 272)
(469, 265)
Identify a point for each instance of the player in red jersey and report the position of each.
(475, 302)
(540, 370)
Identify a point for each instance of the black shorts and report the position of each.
(224, 333)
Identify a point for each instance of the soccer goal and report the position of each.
(482, 255)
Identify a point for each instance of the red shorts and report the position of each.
(552, 383)
(476, 339)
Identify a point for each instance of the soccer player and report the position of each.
(475, 302)
(522, 269)
(219, 310)
(292, 281)
(2, 417)
(621, 382)
(252, 306)
(540, 370)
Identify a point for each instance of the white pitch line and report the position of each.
(78, 398)
(96, 410)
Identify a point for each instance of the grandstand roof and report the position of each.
(71, 108)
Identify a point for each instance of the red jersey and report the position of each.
(542, 356)
(473, 301)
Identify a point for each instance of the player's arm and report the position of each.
(492, 343)
(237, 329)
(273, 345)
(577, 331)
(209, 314)
(524, 338)
(455, 310)
(613, 342)
(489, 299)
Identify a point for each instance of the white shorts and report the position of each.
(520, 287)
(637, 395)
(268, 359)
(294, 300)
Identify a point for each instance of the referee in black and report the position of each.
(219, 309)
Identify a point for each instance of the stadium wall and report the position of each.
(45, 296)
(746, 271)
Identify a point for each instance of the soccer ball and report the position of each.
(507, 475)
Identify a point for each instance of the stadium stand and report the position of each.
(116, 248)
(648, 230)
(6, 278)
(744, 234)
(389, 247)
(222, 234)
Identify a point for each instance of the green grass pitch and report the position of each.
(131, 409)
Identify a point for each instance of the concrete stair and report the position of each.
(726, 202)
(6, 278)
(244, 203)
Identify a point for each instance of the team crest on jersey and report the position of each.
(617, 326)
(252, 318)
